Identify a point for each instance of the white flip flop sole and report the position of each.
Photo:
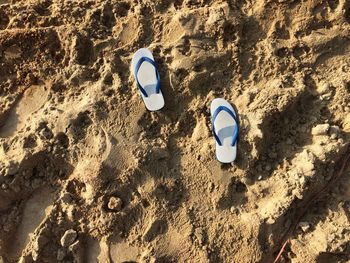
(224, 126)
(148, 79)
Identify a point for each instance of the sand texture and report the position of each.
(87, 174)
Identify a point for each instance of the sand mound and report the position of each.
(88, 175)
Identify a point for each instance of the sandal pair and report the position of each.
(224, 118)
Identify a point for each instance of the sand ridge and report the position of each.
(87, 174)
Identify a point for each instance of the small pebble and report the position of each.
(334, 130)
(334, 136)
(115, 203)
(260, 177)
(270, 221)
(233, 209)
(4, 186)
(321, 129)
(305, 226)
(327, 96)
(324, 87)
(297, 194)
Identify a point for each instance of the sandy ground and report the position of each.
(87, 174)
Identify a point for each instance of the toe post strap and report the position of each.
(137, 68)
(235, 131)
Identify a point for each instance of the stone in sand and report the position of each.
(334, 130)
(115, 203)
(305, 226)
(321, 129)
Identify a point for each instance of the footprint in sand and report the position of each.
(126, 32)
(122, 252)
(33, 99)
(35, 211)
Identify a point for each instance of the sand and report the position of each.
(87, 174)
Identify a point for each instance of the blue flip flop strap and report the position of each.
(235, 132)
(137, 67)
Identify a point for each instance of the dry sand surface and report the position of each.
(87, 174)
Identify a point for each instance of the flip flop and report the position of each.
(147, 78)
(225, 130)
